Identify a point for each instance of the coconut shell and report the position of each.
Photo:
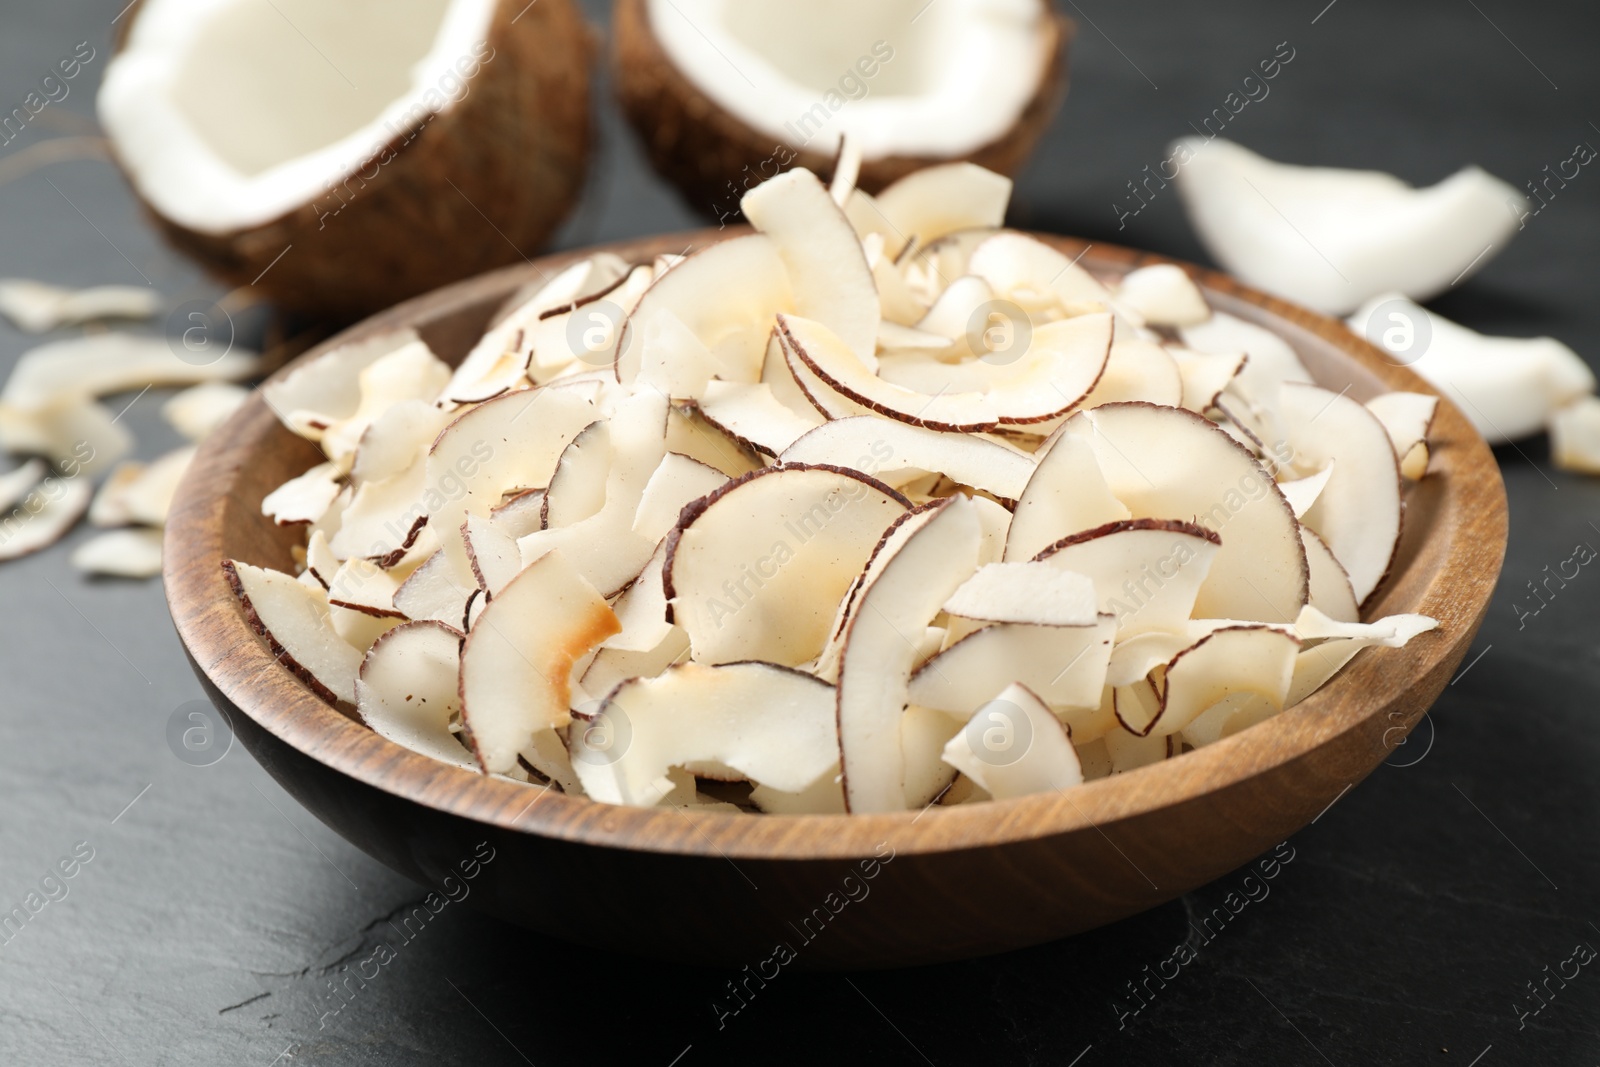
(515, 150)
(713, 157)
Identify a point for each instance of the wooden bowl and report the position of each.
(836, 891)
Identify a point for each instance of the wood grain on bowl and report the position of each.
(840, 891)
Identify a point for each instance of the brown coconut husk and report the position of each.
(481, 184)
(713, 157)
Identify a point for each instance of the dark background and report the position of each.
(215, 912)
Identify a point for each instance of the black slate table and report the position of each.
(215, 922)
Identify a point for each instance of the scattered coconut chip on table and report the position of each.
(120, 554)
(37, 307)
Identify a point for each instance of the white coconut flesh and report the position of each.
(1331, 238)
(832, 559)
(232, 113)
(785, 71)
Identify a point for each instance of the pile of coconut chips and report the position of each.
(878, 507)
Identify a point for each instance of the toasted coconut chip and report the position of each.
(934, 202)
(293, 617)
(547, 754)
(677, 482)
(497, 363)
(777, 376)
(825, 797)
(846, 169)
(1162, 461)
(36, 307)
(889, 449)
(1227, 661)
(756, 569)
(1067, 493)
(1358, 512)
(15, 484)
(1272, 359)
(1139, 370)
(511, 442)
(642, 609)
(826, 665)
(577, 487)
(437, 591)
(200, 409)
(1036, 593)
(1129, 752)
(725, 295)
(1330, 585)
(521, 513)
(923, 735)
(1574, 440)
(44, 516)
(876, 661)
(1337, 644)
(1163, 295)
(1059, 368)
(994, 519)
(321, 563)
(407, 689)
(1506, 386)
(327, 390)
(752, 413)
(689, 433)
(1302, 493)
(1065, 665)
(951, 313)
(74, 432)
(1014, 746)
(1016, 265)
(828, 273)
(516, 662)
(1206, 375)
(383, 519)
(823, 397)
(410, 373)
(1147, 573)
(492, 552)
(768, 723)
(303, 499)
(898, 338)
(603, 547)
(397, 440)
(120, 554)
(613, 666)
(1408, 417)
(361, 602)
(98, 364)
(146, 497)
(1227, 717)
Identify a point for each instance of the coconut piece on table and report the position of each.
(200, 409)
(1331, 238)
(1575, 436)
(36, 307)
(120, 554)
(1506, 386)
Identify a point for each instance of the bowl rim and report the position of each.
(213, 629)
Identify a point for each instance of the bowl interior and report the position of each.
(1452, 545)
